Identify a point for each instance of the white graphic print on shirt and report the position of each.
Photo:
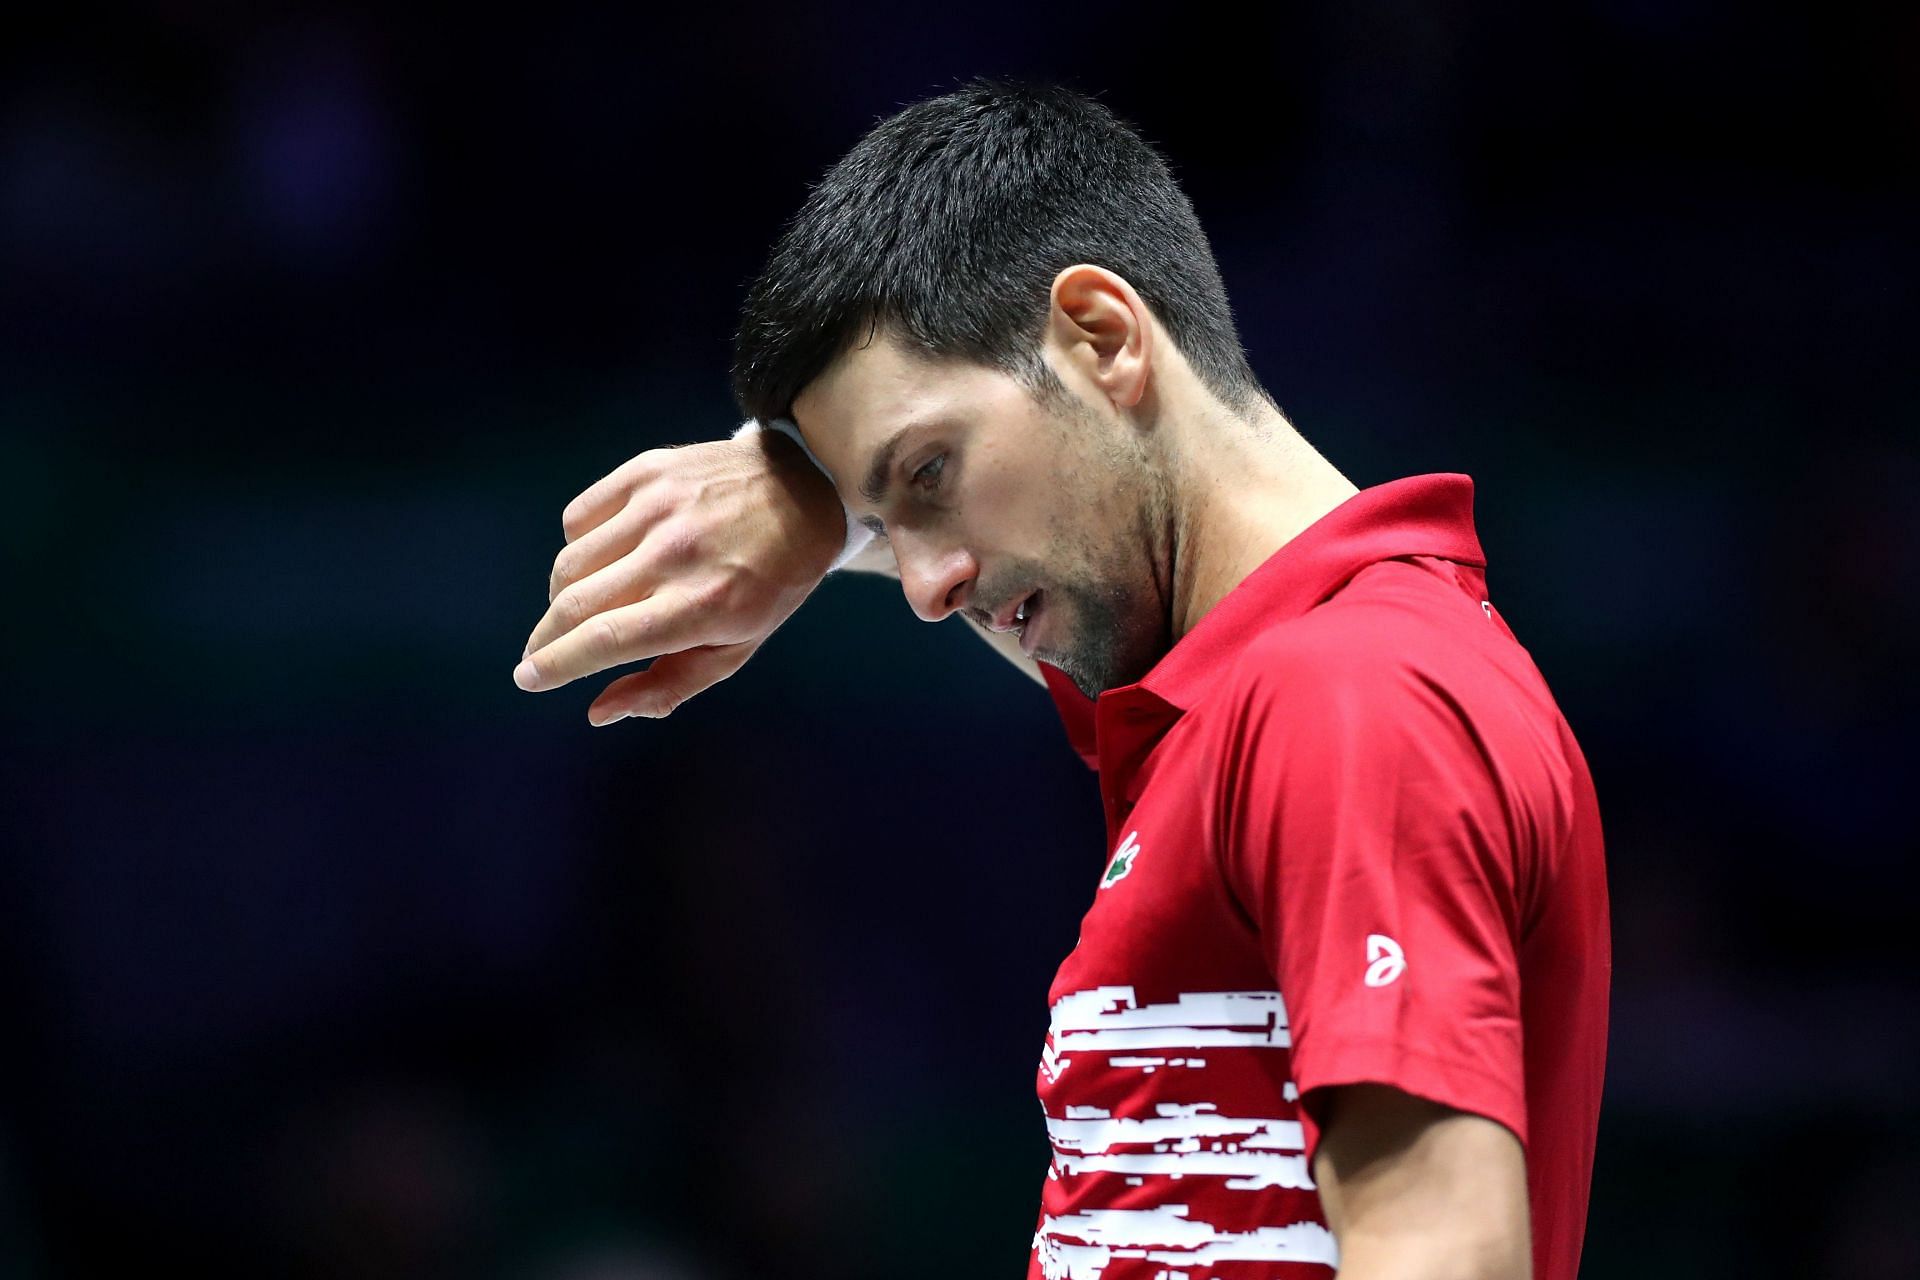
(1173, 1132)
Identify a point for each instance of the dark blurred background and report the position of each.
(328, 952)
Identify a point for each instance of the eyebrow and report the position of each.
(880, 471)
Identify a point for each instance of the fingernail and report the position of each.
(525, 675)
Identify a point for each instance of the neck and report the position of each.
(1241, 491)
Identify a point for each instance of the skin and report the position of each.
(1415, 1189)
(1135, 506)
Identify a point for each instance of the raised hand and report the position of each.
(690, 555)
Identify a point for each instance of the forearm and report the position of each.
(877, 557)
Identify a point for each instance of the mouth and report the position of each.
(1027, 615)
(1011, 617)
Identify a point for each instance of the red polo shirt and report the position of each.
(1350, 838)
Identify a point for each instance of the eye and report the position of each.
(933, 468)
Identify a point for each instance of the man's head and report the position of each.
(1007, 286)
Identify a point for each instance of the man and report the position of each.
(1340, 997)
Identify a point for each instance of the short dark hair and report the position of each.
(948, 221)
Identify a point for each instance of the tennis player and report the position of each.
(1339, 997)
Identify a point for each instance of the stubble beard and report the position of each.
(1118, 615)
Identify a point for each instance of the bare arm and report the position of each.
(691, 555)
(877, 557)
(1419, 1191)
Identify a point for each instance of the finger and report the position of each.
(595, 595)
(666, 550)
(599, 547)
(669, 681)
(605, 496)
(667, 621)
(628, 579)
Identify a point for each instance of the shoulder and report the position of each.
(1328, 655)
(1379, 663)
(1392, 616)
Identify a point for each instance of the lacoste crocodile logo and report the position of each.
(1122, 860)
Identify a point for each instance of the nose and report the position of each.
(936, 580)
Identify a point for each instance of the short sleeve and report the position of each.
(1076, 713)
(1362, 829)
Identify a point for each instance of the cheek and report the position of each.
(1014, 504)
(1071, 518)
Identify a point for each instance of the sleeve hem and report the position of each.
(1448, 1081)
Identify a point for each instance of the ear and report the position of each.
(1102, 330)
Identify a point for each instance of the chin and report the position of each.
(1103, 672)
(1103, 651)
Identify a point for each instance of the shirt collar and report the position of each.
(1423, 515)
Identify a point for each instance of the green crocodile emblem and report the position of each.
(1122, 860)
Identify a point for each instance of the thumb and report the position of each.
(670, 680)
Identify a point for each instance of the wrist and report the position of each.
(856, 535)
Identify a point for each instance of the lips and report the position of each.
(1010, 617)
(1030, 630)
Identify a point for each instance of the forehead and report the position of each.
(873, 389)
(876, 392)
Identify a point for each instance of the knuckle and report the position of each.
(679, 540)
(709, 595)
(638, 471)
(668, 697)
(573, 520)
(606, 636)
(622, 479)
(572, 608)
